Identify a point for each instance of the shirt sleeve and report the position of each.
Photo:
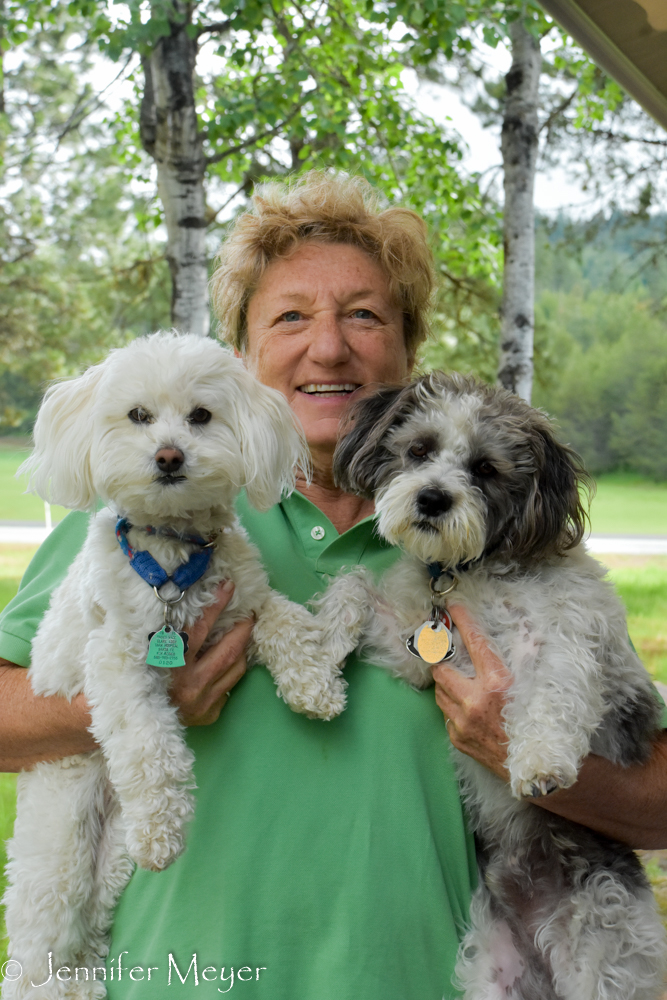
(20, 619)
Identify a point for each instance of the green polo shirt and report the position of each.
(326, 860)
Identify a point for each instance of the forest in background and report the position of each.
(600, 333)
(82, 244)
(600, 339)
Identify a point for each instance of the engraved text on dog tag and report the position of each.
(167, 647)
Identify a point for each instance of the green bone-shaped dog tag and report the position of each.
(166, 648)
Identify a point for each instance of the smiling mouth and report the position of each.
(329, 390)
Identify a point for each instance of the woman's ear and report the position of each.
(273, 445)
(361, 459)
(59, 467)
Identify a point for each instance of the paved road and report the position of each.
(33, 533)
(629, 545)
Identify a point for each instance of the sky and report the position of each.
(553, 190)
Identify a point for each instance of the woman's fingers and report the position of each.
(224, 684)
(213, 698)
(200, 689)
(485, 661)
(215, 661)
(200, 629)
(473, 706)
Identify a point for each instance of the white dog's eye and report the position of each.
(200, 416)
(419, 449)
(484, 469)
(140, 416)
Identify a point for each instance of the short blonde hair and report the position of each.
(327, 208)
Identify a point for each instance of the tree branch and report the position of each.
(81, 112)
(217, 157)
(623, 137)
(218, 28)
(21, 256)
(214, 215)
(547, 123)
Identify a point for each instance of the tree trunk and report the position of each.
(169, 134)
(519, 149)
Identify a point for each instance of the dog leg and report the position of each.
(303, 653)
(344, 612)
(555, 706)
(606, 942)
(150, 766)
(112, 873)
(495, 964)
(51, 870)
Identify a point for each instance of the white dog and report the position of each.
(470, 481)
(166, 432)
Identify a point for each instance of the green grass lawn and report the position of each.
(642, 583)
(629, 505)
(15, 504)
(623, 505)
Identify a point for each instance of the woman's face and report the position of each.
(321, 325)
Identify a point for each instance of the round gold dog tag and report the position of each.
(432, 642)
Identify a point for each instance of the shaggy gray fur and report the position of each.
(471, 477)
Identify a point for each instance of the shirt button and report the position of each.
(317, 533)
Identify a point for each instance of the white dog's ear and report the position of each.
(59, 467)
(272, 444)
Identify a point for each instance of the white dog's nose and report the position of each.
(169, 459)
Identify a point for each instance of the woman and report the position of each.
(326, 860)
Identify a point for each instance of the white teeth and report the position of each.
(324, 389)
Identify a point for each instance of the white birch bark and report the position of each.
(169, 133)
(519, 149)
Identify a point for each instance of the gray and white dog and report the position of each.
(471, 482)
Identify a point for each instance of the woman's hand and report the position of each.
(473, 706)
(625, 803)
(200, 689)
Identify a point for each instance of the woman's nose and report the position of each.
(328, 345)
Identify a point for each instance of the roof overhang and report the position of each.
(628, 39)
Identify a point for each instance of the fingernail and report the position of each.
(227, 587)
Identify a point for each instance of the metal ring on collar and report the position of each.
(443, 593)
(164, 601)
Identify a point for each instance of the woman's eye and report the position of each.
(363, 314)
(292, 316)
(140, 416)
(419, 450)
(200, 416)
(484, 469)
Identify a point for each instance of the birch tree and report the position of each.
(171, 135)
(556, 99)
(519, 145)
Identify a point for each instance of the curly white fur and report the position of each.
(82, 821)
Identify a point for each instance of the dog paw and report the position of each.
(540, 785)
(155, 852)
(317, 701)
